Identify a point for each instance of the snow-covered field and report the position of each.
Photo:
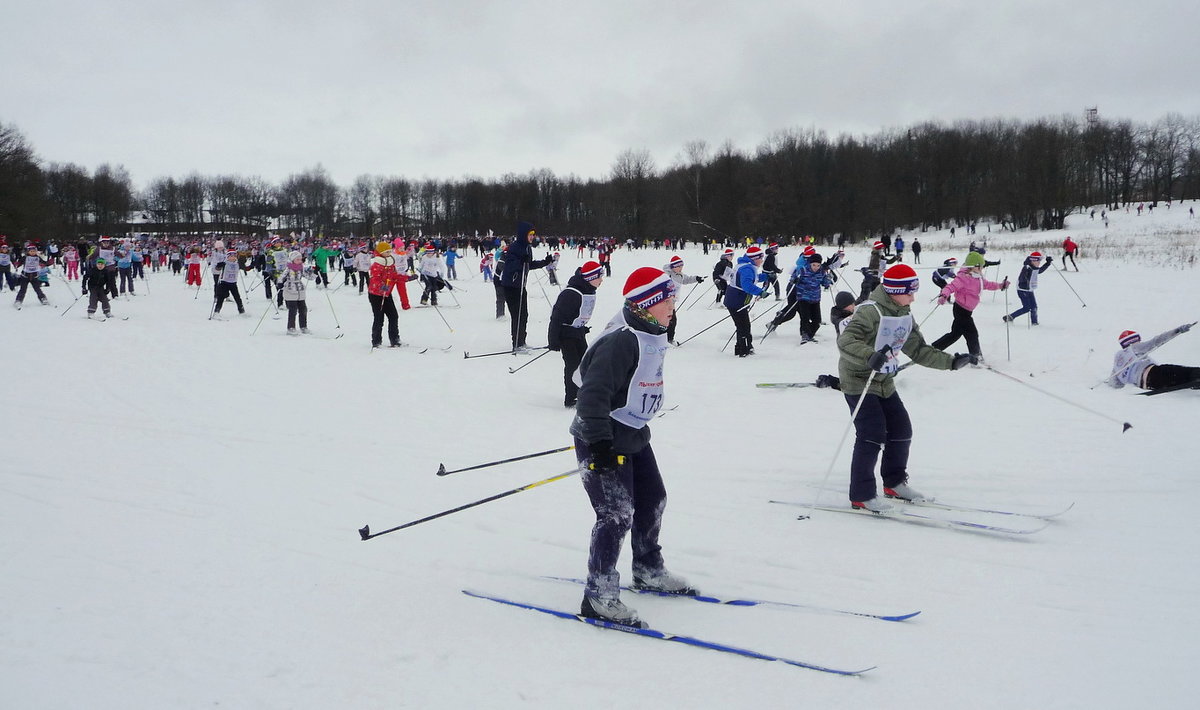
(179, 503)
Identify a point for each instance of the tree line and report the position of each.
(1019, 175)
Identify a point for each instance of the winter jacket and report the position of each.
(862, 336)
(807, 283)
(621, 384)
(571, 312)
(292, 284)
(721, 269)
(1131, 363)
(384, 276)
(680, 279)
(431, 264)
(321, 257)
(362, 261)
(966, 288)
(97, 280)
(518, 260)
(1027, 279)
(744, 284)
(942, 276)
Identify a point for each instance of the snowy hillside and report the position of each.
(179, 503)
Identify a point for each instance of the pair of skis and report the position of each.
(691, 640)
(917, 513)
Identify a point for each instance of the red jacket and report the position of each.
(1069, 246)
(384, 276)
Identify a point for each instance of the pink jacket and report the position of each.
(966, 288)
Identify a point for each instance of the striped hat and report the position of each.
(1036, 255)
(773, 245)
(1129, 337)
(877, 245)
(900, 279)
(676, 261)
(591, 270)
(755, 253)
(809, 250)
(728, 252)
(647, 286)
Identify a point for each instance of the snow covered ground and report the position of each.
(179, 503)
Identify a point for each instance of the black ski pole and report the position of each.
(443, 472)
(366, 534)
(687, 297)
(727, 315)
(531, 361)
(439, 312)
(469, 356)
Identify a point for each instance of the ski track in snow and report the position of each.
(179, 503)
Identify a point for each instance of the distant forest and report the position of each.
(1018, 175)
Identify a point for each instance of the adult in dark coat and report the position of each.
(518, 260)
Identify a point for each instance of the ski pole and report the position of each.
(700, 299)
(688, 296)
(531, 361)
(1064, 278)
(443, 472)
(439, 312)
(1007, 325)
(751, 307)
(727, 315)
(335, 318)
(366, 534)
(264, 316)
(68, 283)
(845, 433)
(1125, 426)
(469, 356)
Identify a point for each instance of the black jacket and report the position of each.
(605, 372)
(566, 310)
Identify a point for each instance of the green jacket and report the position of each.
(857, 342)
(321, 258)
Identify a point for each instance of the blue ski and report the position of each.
(754, 602)
(664, 636)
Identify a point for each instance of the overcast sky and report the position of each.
(438, 88)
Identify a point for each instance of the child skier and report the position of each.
(722, 272)
(620, 390)
(6, 264)
(1026, 285)
(740, 293)
(431, 275)
(569, 323)
(843, 308)
(227, 284)
(291, 285)
(1133, 366)
(28, 276)
(384, 277)
(98, 289)
(804, 296)
(883, 327)
(675, 271)
(965, 289)
(945, 273)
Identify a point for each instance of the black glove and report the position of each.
(699, 279)
(603, 459)
(961, 360)
(1049, 260)
(1184, 328)
(879, 358)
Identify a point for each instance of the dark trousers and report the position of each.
(518, 309)
(499, 298)
(962, 327)
(868, 285)
(810, 318)
(226, 290)
(632, 498)
(6, 278)
(572, 354)
(1170, 375)
(299, 308)
(1028, 305)
(268, 281)
(126, 278)
(322, 278)
(364, 280)
(176, 267)
(1069, 255)
(98, 298)
(744, 344)
(383, 306)
(25, 282)
(881, 423)
(112, 281)
(671, 327)
(351, 276)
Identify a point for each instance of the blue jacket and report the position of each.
(746, 280)
(808, 283)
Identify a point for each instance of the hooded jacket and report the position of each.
(518, 259)
(966, 288)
